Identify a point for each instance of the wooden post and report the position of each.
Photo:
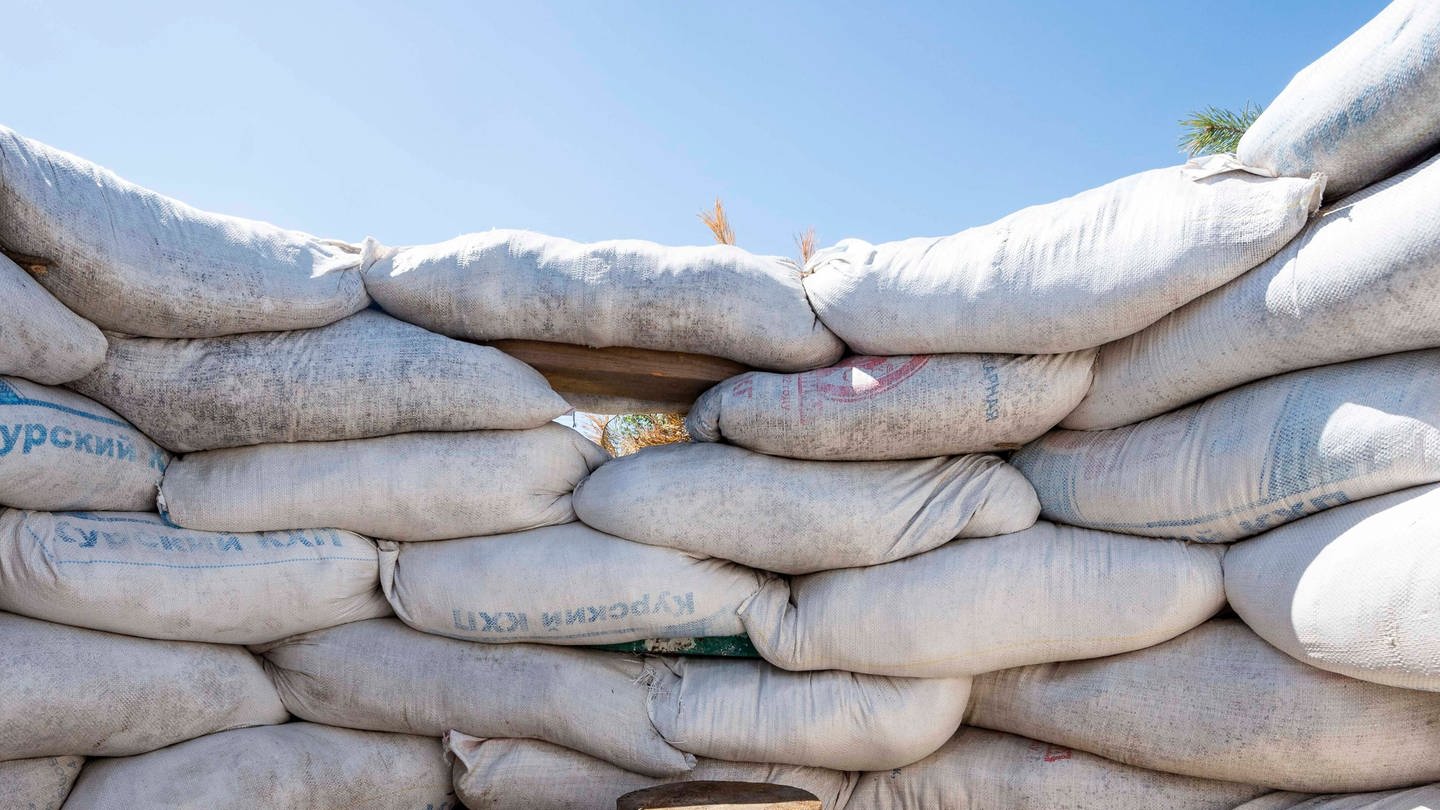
(719, 796)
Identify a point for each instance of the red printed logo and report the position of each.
(857, 378)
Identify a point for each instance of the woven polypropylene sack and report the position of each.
(40, 339)
(1420, 798)
(1252, 458)
(880, 408)
(130, 572)
(1051, 593)
(276, 768)
(717, 300)
(503, 774)
(1354, 590)
(749, 711)
(1220, 703)
(417, 486)
(986, 769)
(565, 584)
(1362, 280)
(59, 450)
(381, 675)
(792, 516)
(1064, 276)
(41, 783)
(1363, 111)
(367, 375)
(70, 691)
(133, 261)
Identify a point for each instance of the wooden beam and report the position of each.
(646, 379)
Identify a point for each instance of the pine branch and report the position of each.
(1214, 130)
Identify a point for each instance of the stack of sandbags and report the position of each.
(307, 552)
(1290, 414)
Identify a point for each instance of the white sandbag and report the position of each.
(1362, 280)
(383, 676)
(981, 770)
(1354, 590)
(1363, 111)
(1051, 593)
(417, 486)
(130, 572)
(563, 585)
(368, 375)
(1424, 797)
(59, 450)
(73, 691)
(717, 300)
(878, 408)
(794, 517)
(38, 784)
(1220, 703)
(505, 774)
(297, 765)
(748, 711)
(133, 261)
(40, 339)
(1068, 275)
(1250, 459)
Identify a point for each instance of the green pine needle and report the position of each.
(1213, 130)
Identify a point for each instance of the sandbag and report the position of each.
(748, 711)
(277, 768)
(1220, 703)
(130, 572)
(133, 261)
(1419, 798)
(417, 486)
(985, 770)
(527, 774)
(38, 784)
(1250, 459)
(504, 774)
(73, 691)
(59, 450)
(40, 339)
(1068, 275)
(880, 408)
(1362, 280)
(795, 517)
(1051, 593)
(717, 300)
(368, 375)
(381, 675)
(1363, 111)
(563, 585)
(1354, 590)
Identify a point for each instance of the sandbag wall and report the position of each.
(1128, 500)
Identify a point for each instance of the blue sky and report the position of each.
(415, 122)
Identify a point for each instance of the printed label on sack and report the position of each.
(101, 441)
(87, 539)
(581, 620)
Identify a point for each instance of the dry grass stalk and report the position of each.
(806, 243)
(719, 223)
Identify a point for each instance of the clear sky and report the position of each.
(415, 122)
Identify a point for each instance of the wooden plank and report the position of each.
(702, 795)
(659, 381)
